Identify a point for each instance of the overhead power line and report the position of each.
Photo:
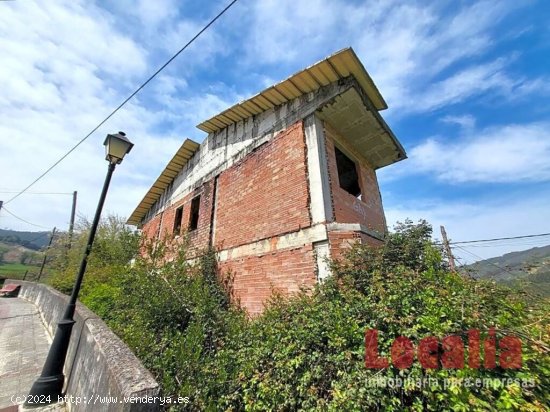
(40, 193)
(503, 269)
(521, 243)
(23, 220)
(210, 23)
(500, 238)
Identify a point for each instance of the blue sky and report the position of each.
(467, 84)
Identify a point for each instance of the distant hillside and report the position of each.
(18, 254)
(528, 269)
(30, 240)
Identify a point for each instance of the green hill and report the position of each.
(30, 240)
(528, 269)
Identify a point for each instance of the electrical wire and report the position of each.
(519, 244)
(488, 261)
(125, 101)
(23, 220)
(497, 239)
(40, 193)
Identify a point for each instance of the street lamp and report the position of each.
(48, 387)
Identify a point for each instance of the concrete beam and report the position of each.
(319, 184)
(354, 227)
(316, 233)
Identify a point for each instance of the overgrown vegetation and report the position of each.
(306, 352)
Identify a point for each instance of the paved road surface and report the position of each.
(24, 344)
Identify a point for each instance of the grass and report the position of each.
(17, 270)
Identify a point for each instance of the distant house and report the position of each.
(283, 180)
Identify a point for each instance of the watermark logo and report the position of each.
(448, 353)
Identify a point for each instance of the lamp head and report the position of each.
(116, 147)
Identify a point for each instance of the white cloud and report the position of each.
(476, 81)
(287, 31)
(466, 121)
(59, 77)
(153, 13)
(66, 64)
(421, 55)
(511, 153)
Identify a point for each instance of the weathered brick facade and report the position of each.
(266, 193)
(256, 277)
(274, 198)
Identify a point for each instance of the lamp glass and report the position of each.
(116, 148)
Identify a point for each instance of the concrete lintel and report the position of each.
(312, 234)
(354, 227)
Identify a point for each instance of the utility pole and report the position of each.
(448, 249)
(71, 225)
(46, 254)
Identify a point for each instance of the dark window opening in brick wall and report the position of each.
(347, 174)
(177, 220)
(194, 216)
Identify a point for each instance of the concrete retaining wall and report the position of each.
(98, 364)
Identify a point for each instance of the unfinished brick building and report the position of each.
(283, 180)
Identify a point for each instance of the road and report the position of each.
(24, 344)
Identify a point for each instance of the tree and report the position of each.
(115, 245)
(27, 257)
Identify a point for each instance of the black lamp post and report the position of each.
(48, 387)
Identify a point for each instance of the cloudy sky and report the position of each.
(467, 84)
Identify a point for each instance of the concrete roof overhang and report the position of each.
(174, 166)
(353, 116)
(338, 66)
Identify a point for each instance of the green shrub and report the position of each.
(306, 352)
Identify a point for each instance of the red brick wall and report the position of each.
(346, 207)
(257, 277)
(151, 228)
(199, 238)
(266, 193)
(263, 195)
(341, 241)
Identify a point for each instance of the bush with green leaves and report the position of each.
(175, 315)
(115, 245)
(306, 352)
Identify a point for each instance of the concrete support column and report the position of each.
(319, 185)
